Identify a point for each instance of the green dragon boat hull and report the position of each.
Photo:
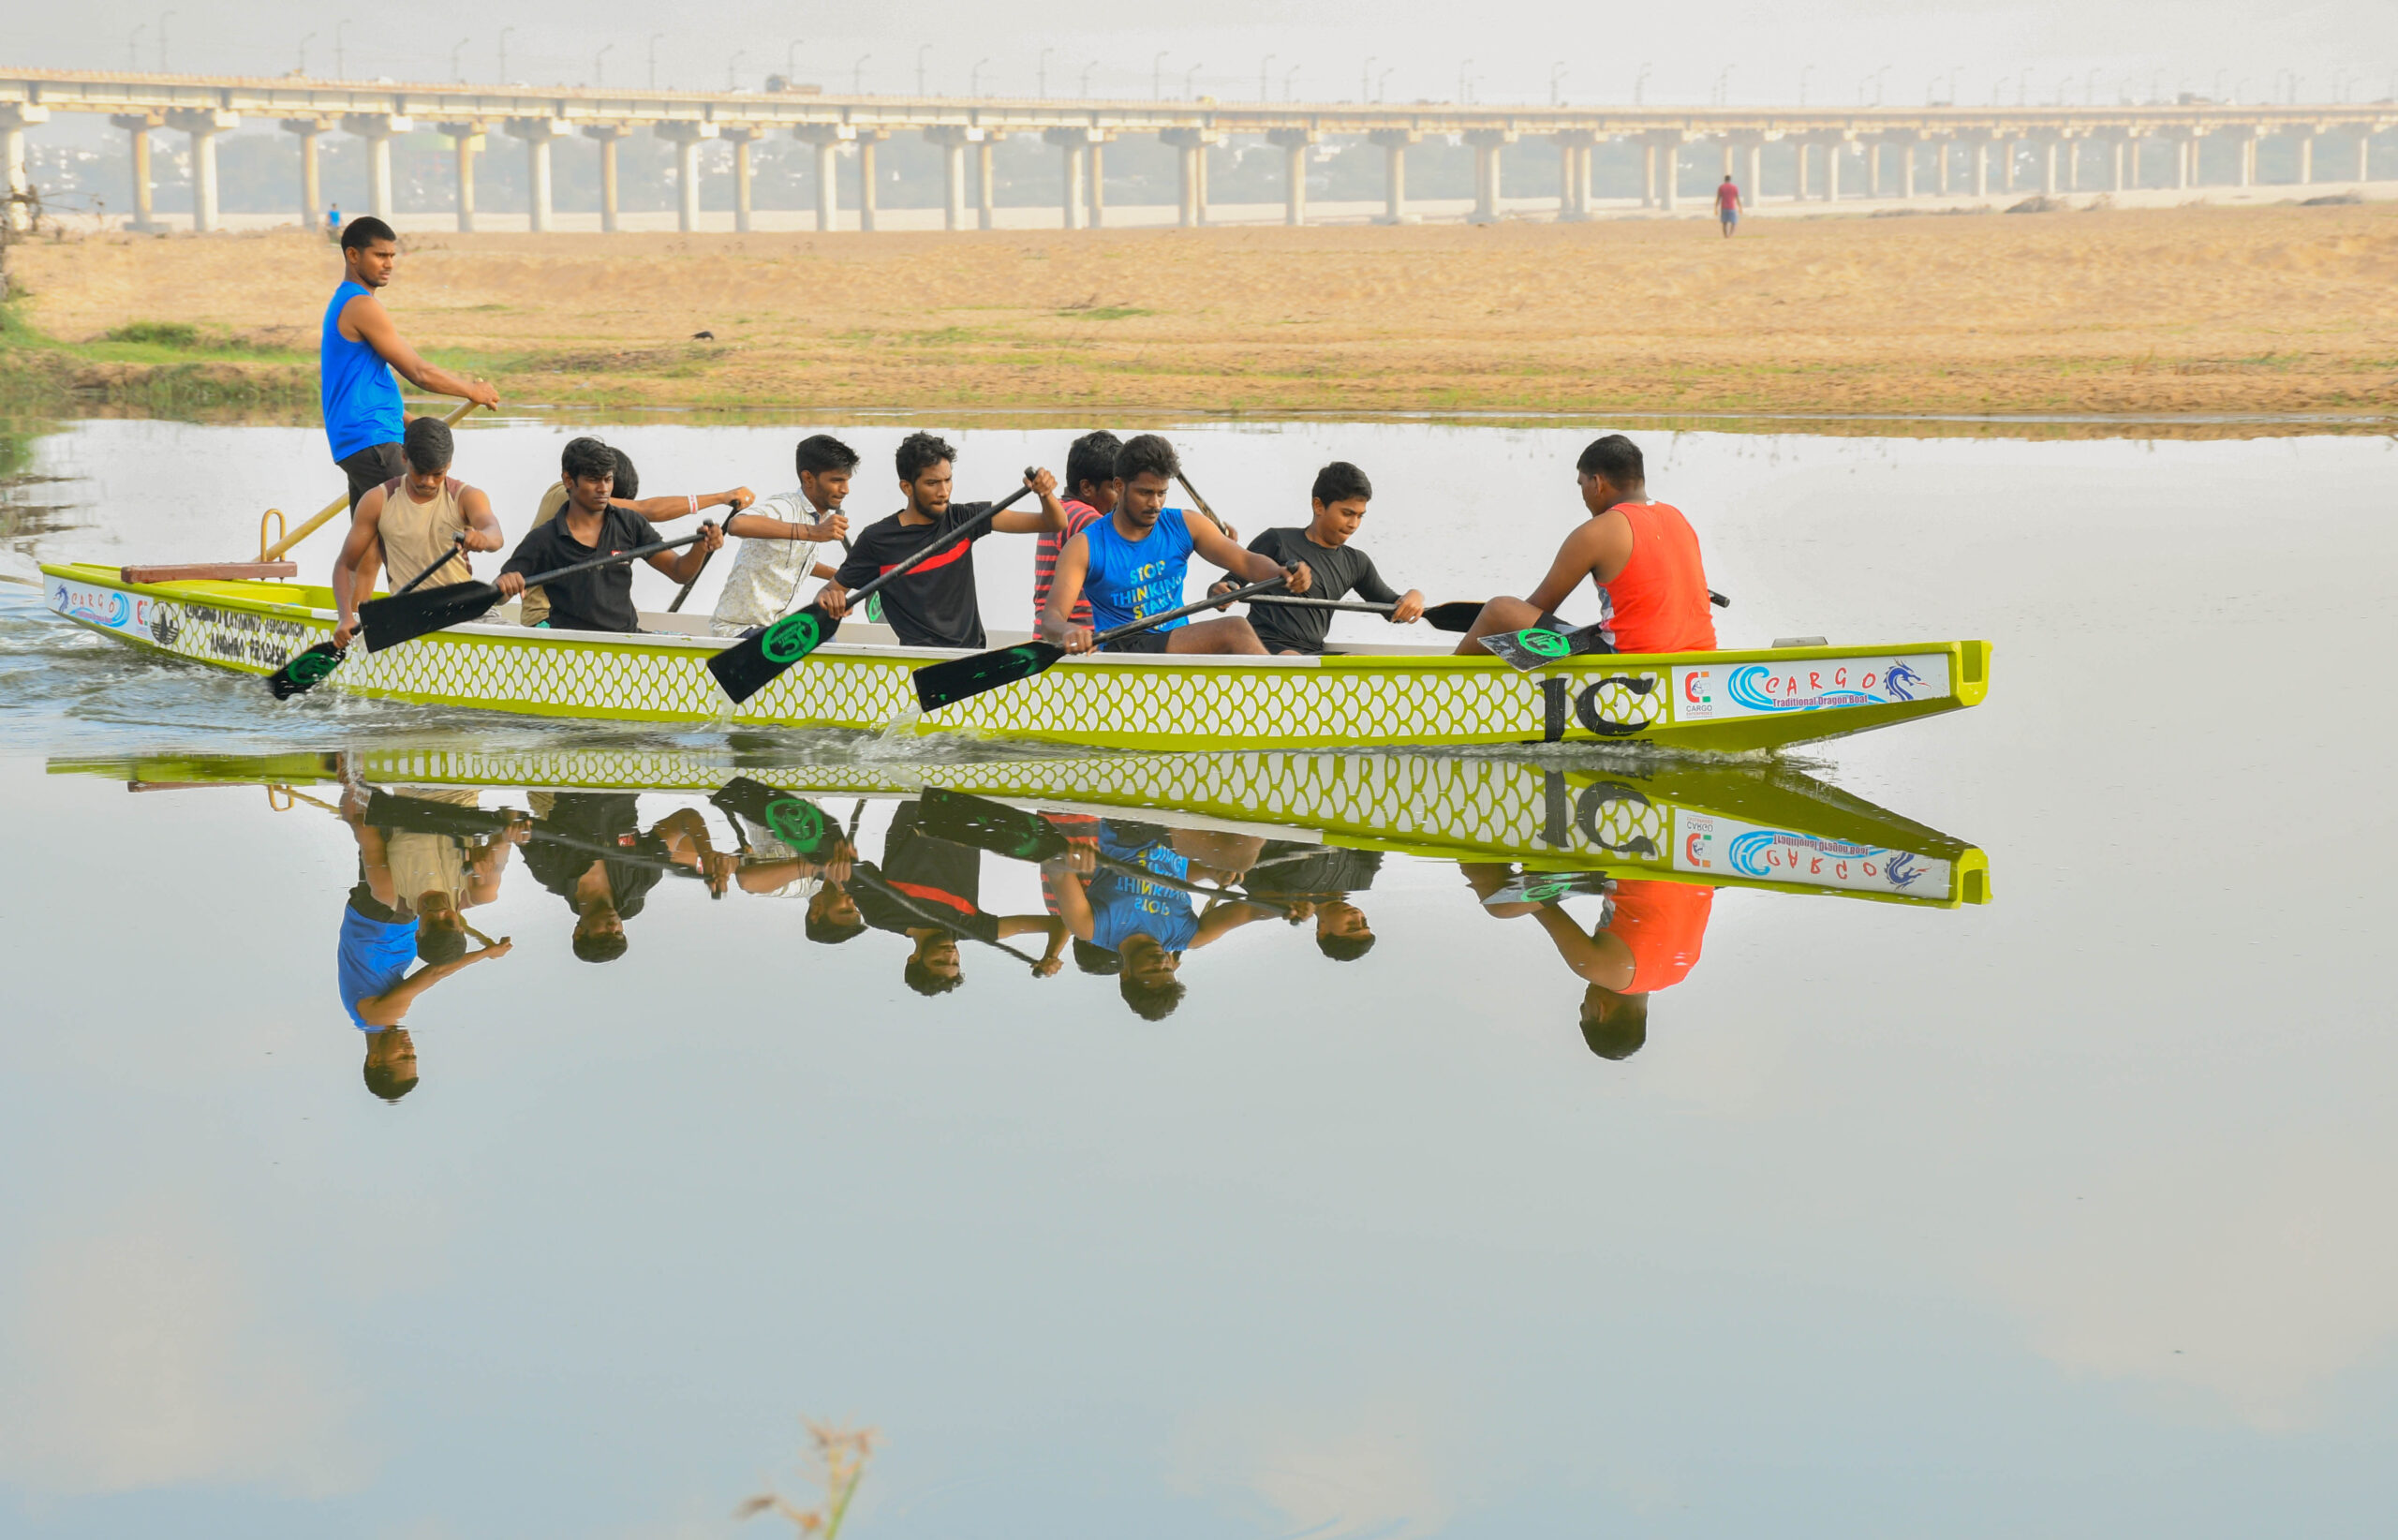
(1731, 702)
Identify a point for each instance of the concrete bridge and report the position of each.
(1900, 152)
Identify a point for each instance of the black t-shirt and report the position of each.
(588, 601)
(933, 883)
(592, 819)
(1286, 869)
(1338, 573)
(934, 605)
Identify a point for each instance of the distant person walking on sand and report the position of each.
(333, 224)
(356, 354)
(1728, 206)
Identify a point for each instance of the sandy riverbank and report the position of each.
(2209, 309)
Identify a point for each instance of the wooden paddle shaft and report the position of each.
(275, 552)
(1185, 483)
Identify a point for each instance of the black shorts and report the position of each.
(370, 468)
(1151, 642)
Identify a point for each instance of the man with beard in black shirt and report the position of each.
(587, 848)
(1339, 498)
(934, 604)
(1315, 882)
(930, 891)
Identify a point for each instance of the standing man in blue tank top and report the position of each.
(355, 357)
(1136, 561)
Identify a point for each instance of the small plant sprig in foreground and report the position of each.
(841, 1453)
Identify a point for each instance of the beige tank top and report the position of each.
(416, 534)
(534, 607)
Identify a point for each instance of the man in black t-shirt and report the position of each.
(587, 848)
(1340, 499)
(935, 604)
(1316, 881)
(931, 890)
(589, 526)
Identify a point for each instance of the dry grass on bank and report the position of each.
(2194, 309)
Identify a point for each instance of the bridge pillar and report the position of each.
(985, 214)
(1668, 147)
(867, 139)
(2305, 141)
(14, 120)
(1574, 174)
(204, 124)
(687, 138)
(2364, 152)
(2246, 140)
(1487, 144)
(379, 129)
(1079, 146)
(2185, 159)
(607, 134)
(741, 135)
(1393, 143)
(1803, 158)
(139, 124)
(1977, 152)
(1293, 142)
(312, 187)
(1906, 168)
(469, 139)
(537, 133)
(828, 138)
(952, 140)
(1753, 174)
(1835, 146)
(1873, 166)
(2047, 152)
(1194, 144)
(1096, 182)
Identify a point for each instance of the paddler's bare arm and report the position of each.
(483, 524)
(685, 565)
(1024, 521)
(1597, 552)
(1066, 891)
(1065, 589)
(1214, 545)
(1602, 959)
(762, 526)
(389, 1008)
(355, 552)
(364, 319)
(683, 505)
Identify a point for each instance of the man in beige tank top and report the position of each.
(406, 524)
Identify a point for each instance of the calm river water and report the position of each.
(2067, 1214)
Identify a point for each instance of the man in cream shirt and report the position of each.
(778, 540)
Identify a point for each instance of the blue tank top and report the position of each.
(1129, 579)
(360, 399)
(375, 955)
(1123, 904)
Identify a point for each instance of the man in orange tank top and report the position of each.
(1642, 556)
(1649, 940)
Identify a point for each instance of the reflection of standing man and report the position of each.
(1728, 205)
(1648, 940)
(357, 351)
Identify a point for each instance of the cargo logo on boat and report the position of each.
(1712, 843)
(1763, 689)
(1718, 691)
(99, 606)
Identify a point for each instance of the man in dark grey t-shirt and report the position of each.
(1339, 498)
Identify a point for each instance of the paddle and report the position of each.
(397, 619)
(1457, 616)
(308, 668)
(964, 818)
(943, 684)
(1536, 646)
(1204, 508)
(751, 664)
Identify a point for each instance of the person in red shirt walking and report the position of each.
(1728, 205)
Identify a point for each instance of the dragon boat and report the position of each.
(1679, 819)
(1367, 696)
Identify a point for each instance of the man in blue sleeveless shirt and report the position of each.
(1134, 562)
(355, 356)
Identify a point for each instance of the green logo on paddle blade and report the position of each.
(798, 823)
(311, 666)
(791, 638)
(1547, 644)
(1541, 893)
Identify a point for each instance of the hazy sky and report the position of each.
(1686, 47)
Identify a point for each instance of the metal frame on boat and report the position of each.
(1724, 702)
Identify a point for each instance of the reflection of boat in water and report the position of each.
(1711, 824)
(1369, 695)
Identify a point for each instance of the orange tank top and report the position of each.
(1662, 924)
(1658, 602)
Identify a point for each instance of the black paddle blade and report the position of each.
(940, 684)
(301, 674)
(1458, 615)
(403, 617)
(793, 819)
(964, 818)
(1547, 887)
(751, 664)
(418, 815)
(1537, 647)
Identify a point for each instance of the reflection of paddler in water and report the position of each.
(589, 848)
(1647, 941)
(1139, 929)
(929, 890)
(409, 905)
(1316, 882)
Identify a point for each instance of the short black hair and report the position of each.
(1620, 1028)
(364, 231)
(439, 944)
(599, 946)
(1093, 958)
(828, 931)
(1146, 454)
(384, 1081)
(919, 452)
(1150, 1002)
(1090, 460)
(924, 980)
(1339, 481)
(1344, 948)
(821, 452)
(584, 458)
(1615, 457)
(428, 445)
(627, 484)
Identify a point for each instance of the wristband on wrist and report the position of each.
(694, 500)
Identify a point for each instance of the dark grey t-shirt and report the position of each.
(1337, 572)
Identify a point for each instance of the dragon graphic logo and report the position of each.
(1901, 870)
(87, 606)
(1898, 677)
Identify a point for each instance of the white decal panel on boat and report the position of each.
(1720, 692)
(1711, 843)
